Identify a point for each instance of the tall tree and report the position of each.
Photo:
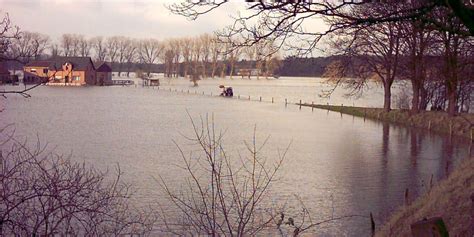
(150, 50)
(100, 48)
(8, 32)
(84, 46)
(28, 46)
(112, 45)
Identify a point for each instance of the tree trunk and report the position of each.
(231, 70)
(452, 102)
(387, 100)
(423, 105)
(415, 101)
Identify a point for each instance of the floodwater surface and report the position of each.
(336, 164)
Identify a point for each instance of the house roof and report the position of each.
(104, 67)
(38, 64)
(78, 63)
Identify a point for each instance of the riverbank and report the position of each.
(461, 125)
(452, 200)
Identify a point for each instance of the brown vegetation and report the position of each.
(44, 194)
(437, 121)
(452, 200)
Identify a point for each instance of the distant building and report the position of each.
(104, 74)
(68, 71)
(248, 72)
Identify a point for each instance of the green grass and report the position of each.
(461, 125)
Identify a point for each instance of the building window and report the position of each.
(76, 78)
(45, 70)
(33, 70)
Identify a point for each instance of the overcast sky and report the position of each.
(134, 18)
(141, 19)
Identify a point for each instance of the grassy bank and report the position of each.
(451, 200)
(461, 125)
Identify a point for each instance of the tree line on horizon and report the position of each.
(203, 55)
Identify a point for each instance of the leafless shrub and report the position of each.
(47, 194)
(222, 195)
(226, 196)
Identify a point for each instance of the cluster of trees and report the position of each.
(429, 43)
(439, 64)
(204, 55)
(210, 56)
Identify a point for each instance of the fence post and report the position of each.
(260, 99)
(239, 97)
(300, 104)
(312, 106)
(286, 102)
(372, 224)
(249, 97)
(272, 100)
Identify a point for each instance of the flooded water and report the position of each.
(337, 164)
(292, 89)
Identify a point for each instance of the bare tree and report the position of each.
(47, 194)
(216, 49)
(284, 21)
(131, 53)
(176, 47)
(28, 46)
(234, 55)
(374, 52)
(272, 64)
(196, 55)
(112, 45)
(187, 55)
(168, 57)
(55, 50)
(226, 197)
(70, 44)
(84, 46)
(417, 40)
(204, 41)
(453, 47)
(125, 47)
(150, 50)
(8, 32)
(100, 48)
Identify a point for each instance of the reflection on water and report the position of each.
(336, 162)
